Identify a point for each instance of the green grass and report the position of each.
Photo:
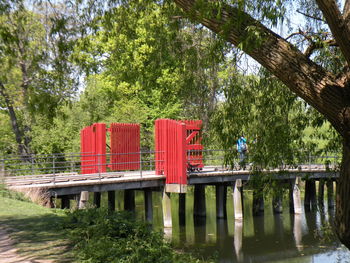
(36, 230)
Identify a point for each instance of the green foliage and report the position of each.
(102, 236)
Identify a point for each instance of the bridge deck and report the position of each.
(73, 183)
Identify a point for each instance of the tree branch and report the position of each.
(310, 16)
(337, 24)
(304, 77)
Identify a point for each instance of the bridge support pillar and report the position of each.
(199, 207)
(221, 193)
(166, 204)
(111, 200)
(182, 209)
(294, 194)
(237, 199)
(320, 198)
(277, 203)
(129, 200)
(97, 199)
(65, 202)
(84, 198)
(310, 202)
(148, 205)
(258, 202)
(330, 194)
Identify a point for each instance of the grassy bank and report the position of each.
(91, 235)
(35, 229)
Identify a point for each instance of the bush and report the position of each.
(101, 236)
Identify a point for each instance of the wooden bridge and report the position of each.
(178, 162)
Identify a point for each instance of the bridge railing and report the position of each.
(70, 164)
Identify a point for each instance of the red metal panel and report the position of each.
(125, 146)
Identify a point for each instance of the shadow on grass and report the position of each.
(39, 237)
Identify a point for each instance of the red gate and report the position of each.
(173, 139)
(125, 146)
(93, 148)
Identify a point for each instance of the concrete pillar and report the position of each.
(330, 194)
(84, 198)
(295, 200)
(310, 195)
(166, 204)
(111, 200)
(147, 193)
(277, 203)
(320, 198)
(65, 202)
(199, 208)
(258, 202)
(221, 193)
(238, 200)
(129, 200)
(97, 199)
(182, 209)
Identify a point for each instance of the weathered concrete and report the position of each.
(129, 200)
(238, 238)
(221, 193)
(111, 200)
(84, 198)
(199, 206)
(166, 205)
(97, 199)
(238, 200)
(295, 201)
(147, 193)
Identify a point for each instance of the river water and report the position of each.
(278, 238)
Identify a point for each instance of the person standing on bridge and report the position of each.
(242, 149)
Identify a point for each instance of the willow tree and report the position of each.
(325, 85)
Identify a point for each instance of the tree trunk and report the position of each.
(23, 149)
(342, 218)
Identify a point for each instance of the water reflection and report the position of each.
(283, 238)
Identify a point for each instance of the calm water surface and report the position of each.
(268, 238)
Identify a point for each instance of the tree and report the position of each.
(35, 76)
(323, 85)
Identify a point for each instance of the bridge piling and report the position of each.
(166, 205)
(277, 203)
(320, 196)
(199, 206)
(182, 209)
(83, 200)
(129, 200)
(221, 193)
(111, 200)
(237, 199)
(258, 202)
(294, 194)
(330, 194)
(65, 202)
(147, 193)
(97, 199)
(310, 202)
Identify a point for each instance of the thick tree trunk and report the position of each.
(342, 218)
(23, 149)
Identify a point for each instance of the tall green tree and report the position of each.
(322, 81)
(35, 75)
